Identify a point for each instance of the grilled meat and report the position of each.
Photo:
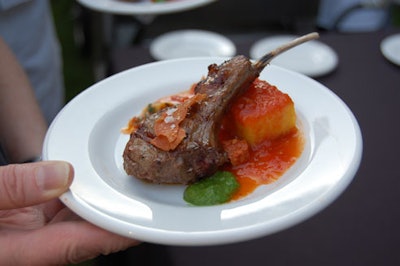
(200, 153)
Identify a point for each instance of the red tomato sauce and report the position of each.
(269, 159)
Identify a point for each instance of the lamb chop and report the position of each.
(193, 151)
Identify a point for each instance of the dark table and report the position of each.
(362, 227)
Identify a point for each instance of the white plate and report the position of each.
(144, 7)
(191, 43)
(312, 58)
(390, 47)
(87, 134)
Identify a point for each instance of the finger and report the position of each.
(63, 243)
(23, 185)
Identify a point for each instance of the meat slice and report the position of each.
(199, 154)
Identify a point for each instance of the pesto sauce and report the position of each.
(216, 189)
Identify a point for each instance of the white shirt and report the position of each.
(27, 27)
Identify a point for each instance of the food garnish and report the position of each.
(167, 130)
(216, 189)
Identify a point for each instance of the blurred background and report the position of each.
(89, 38)
(95, 45)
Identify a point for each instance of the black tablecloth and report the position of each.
(362, 227)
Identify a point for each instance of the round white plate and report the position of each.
(143, 7)
(87, 134)
(191, 43)
(312, 58)
(390, 47)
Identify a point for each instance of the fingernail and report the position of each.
(53, 176)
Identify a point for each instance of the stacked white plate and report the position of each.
(312, 58)
(191, 43)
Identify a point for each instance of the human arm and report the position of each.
(35, 227)
(23, 127)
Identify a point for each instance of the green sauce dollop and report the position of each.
(216, 189)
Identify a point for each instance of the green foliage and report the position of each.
(77, 68)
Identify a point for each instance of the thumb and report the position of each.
(23, 185)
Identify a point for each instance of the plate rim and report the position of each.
(385, 48)
(126, 8)
(209, 238)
